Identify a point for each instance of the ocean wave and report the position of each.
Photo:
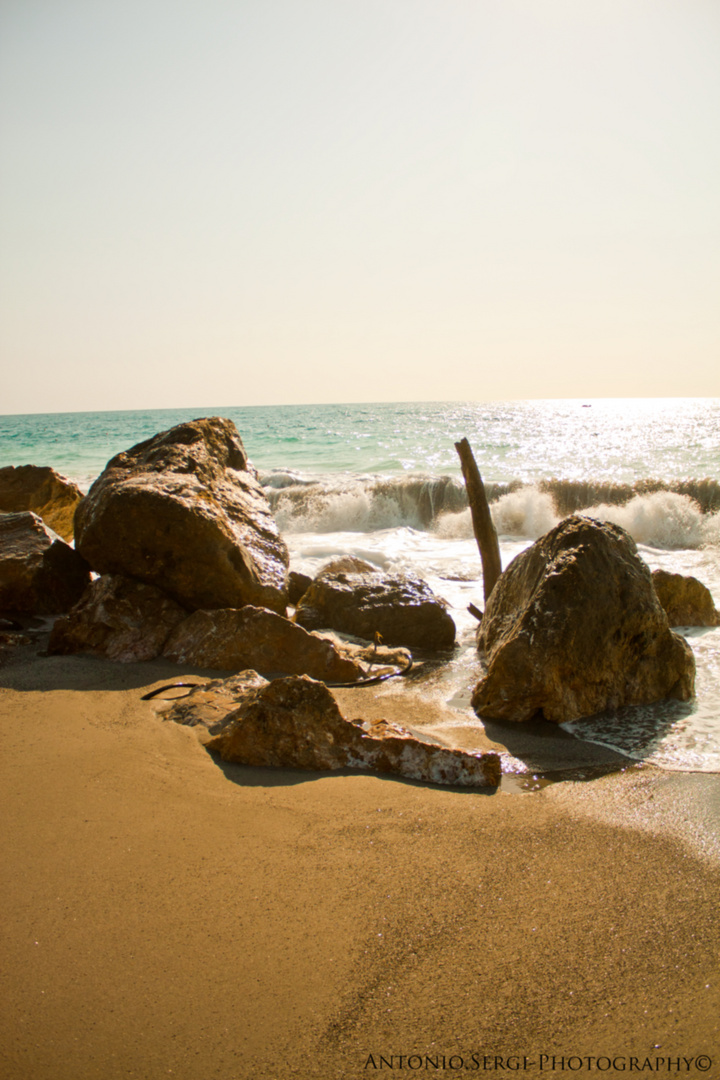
(665, 515)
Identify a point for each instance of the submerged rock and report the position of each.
(400, 607)
(685, 600)
(120, 618)
(39, 572)
(184, 511)
(574, 627)
(231, 639)
(296, 723)
(43, 491)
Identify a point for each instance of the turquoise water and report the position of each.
(618, 440)
(383, 482)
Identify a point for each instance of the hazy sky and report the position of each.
(248, 202)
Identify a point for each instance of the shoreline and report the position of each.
(167, 915)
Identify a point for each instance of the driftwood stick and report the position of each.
(483, 526)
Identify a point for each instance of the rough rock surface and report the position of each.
(574, 627)
(39, 572)
(210, 707)
(45, 492)
(119, 618)
(296, 723)
(685, 600)
(185, 512)
(402, 608)
(231, 639)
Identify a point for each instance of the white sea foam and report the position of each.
(662, 519)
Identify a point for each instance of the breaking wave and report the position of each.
(684, 514)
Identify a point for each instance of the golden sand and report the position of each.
(166, 917)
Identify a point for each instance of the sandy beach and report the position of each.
(165, 916)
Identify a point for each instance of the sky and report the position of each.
(258, 202)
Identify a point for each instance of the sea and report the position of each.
(383, 482)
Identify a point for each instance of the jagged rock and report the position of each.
(184, 511)
(685, 600)
(43, 491)
(210, 707)
(401, 607)
(574, 627)
(298, 584)
(231, 639)
(39, 572)
(296, 723)
(120, 618)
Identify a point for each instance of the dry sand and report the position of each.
(163, 916)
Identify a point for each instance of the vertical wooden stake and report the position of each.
(483, 526)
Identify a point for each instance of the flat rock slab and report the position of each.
(39, 572)
(119, 618)
(185, 512)
(43, 491)
(400, 607)
(574, 627)
(210, 707)
(296, 723)
(232, 639)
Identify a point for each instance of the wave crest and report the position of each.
(681, 514)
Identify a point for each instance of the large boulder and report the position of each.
(574, 627)
(363, 602)
(685, 600)
(296, 723)
(232, 639)
(43, 491)
(119, 618)
(39, 572)
(184, 511)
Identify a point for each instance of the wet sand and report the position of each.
(165, 916)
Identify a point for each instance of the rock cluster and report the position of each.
(191, 566)
(574, 627)
(39, 572)
(352, 597)
(43, 491)
(295, 723)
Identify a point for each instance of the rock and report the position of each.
(120, 618)
(39, 572)
(574, 627)
(685, 600)
(210, 707)
(296, 723)
(231, 639)
(298, 584)
(346, 564)
(12, 640)
(43, 491)
(402, 608)
(185, 512)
